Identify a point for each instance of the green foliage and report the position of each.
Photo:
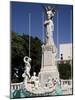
(20, 49)
(65, 71)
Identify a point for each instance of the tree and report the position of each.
(65, 71)
(19, 49)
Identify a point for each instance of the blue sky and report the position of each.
(20, 20)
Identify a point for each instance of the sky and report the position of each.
(20, 12)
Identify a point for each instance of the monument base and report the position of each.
(46, 75)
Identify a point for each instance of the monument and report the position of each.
(48, 77)
(49, 50)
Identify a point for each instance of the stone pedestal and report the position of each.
(49, 65)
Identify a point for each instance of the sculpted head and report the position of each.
(29, 59)
(34, 73)
(50, 12)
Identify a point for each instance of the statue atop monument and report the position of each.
(49, 26)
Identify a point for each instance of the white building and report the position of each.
(65, 52)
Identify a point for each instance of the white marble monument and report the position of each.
(49, 51)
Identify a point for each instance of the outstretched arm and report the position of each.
(46, 22)
(25, 59)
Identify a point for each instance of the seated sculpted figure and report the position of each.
(35, 80)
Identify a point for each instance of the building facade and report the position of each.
(65, 53)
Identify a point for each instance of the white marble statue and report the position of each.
(26, 74)
(49, 26)
(35, 80)
(27, 61)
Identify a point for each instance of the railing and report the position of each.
(16, 86)
(66, 86)
(66, 82)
